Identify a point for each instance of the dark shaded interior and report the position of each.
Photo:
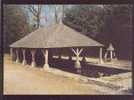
(28, 57)
(68, 65)
(86, 70)
(39, 58)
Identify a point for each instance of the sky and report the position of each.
(47, 13)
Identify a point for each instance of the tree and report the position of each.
(87, 19)
(58, 11)
(55, 14)
(15, 24)
(105, 23)
(36, 12)
(118, 29)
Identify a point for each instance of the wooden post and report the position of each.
(59, 56)
(24, 57)
(77, 63)
(84, 59)
(45, 53)
(101, 59)
(33, 64)
(114, 54)
(115, 57)
(17, 56)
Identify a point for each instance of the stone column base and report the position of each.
(33, 64)
(101, 61)
(17, 61)
(77, 65)
(24, 62)
(46, 67)
(78, 70)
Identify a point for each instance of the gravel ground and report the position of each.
(20, 79)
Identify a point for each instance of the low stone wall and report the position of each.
(87, 80)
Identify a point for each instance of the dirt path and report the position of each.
(24, 80)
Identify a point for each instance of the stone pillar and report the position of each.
(45, 53)
(111, 55)
(24, 57)
(77, 64)
(17, 56)
(11, 53)
(101, 59)
(33, 51)
(105, 56)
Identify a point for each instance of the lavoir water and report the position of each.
(87, 68)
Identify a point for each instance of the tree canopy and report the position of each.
(105, 23)
(85, 18)
(15, 24)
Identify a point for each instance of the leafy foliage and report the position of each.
(87, 19)
(118, 28)
(15, 25)
(107, 24)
